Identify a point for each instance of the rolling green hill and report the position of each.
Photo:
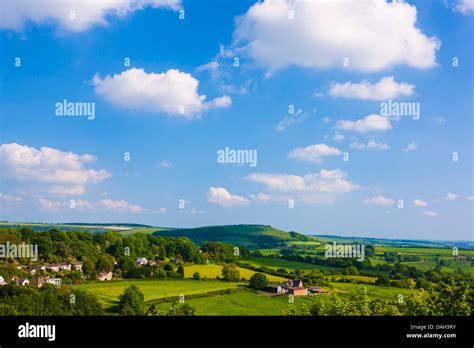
(252, 236)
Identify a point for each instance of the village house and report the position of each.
(54, 267)
(295, 283)
(65, 266)
(54, 281)
(78, 266)
(105, 276)
(31, 271)
(293, 287)
(141, 261)
(23, 281)
(40, 282)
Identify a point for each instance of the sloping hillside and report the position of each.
(253, 236)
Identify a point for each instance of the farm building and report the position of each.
(298, 291)
(274, 289)
(316, 290)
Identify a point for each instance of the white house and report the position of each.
(54, 267)
(105, 276)
(54, 281)
(2, 281)
(65, 266)
(78, 266)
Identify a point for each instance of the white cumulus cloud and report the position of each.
(314, 153)
(73, 15)
(451, 196)
(386, 88)
(372, 35)
(371, 144)
(419, 203)
(58, 171)
(379, 200)
(222, 197)
(410, 147)
(172, 92)
(464, 6)
(367, 124)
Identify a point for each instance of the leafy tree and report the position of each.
(180, 271)
(181, 310)
(132, 301)
(383, 280)
(258, 281)
(196, 276)
(230, 273)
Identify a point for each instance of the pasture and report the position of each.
(109, 292)
(212, 271)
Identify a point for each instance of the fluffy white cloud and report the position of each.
(10, 200)
(17, 13)
(261, 197)
(51, 206)
(313, 153)
(222, 197)
(173, 92)
(464, 6)
(64, 171)
(371, 144)
(120, 206)
(451, 196)
(418, 203)
(429, 213)
(117, 206)
(372, 35)
(379, 200)
(331, 181)
(410, 147)
(367, 124)
(386, 88)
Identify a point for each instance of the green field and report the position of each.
(358, 278)
(275, 263)
(212, 271)
(374, 291)
(244, 303)
(109, 292)
(423, 252)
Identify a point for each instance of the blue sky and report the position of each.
(289, 54)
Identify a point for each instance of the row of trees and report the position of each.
(48, 300)
(452, 299)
